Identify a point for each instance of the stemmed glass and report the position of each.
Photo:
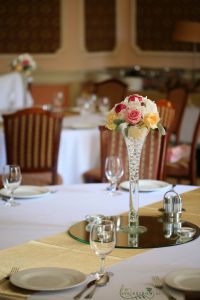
(11, 178)
(113, 171)
(103, 104)
(58, 100)
(102, 240)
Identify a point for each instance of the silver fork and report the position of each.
(12, 271)
(159, 285)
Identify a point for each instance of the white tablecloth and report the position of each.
(13, 92)
(54, 213)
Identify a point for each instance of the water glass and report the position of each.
(102, 240)
(113, 171)
(103, 105)
(11, 178)
(58, 100)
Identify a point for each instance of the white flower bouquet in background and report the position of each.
(24, 64)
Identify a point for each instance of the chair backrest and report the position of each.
(32, 138)
(113, 88)
(167, 112)
(178, 96)
(152, 157)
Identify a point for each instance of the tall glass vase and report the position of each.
(134, 139)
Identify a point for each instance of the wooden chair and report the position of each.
(112, 143)
(179, 97)
(185, 168)
(32, 138)
(152, 158)
(167, 112)
(114, 89)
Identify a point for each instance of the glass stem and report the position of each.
(113, 187)
(134, 203)
(11, 200)
(102, 265)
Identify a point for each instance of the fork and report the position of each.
(159, 285)
(12, 271)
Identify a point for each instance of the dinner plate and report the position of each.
(184, 280)
(26, 191)
(81, 126)
(48, 279)
(147, 185)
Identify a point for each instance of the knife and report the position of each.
(91, 283)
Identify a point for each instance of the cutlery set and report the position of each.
(101, 281)
(96, 282)
(159, 285)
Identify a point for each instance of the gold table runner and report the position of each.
(61, 250)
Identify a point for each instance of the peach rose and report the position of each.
(110, 120)
(151, 120)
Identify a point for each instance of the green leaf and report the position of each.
(118, 121)
(161, 129)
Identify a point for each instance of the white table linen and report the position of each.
(11, 91)
(39, 217)
(54, 213)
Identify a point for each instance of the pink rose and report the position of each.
(119, 107)
(133, 116)
(135, 97)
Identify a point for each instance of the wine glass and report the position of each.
(102, 240)
(113, 171)
(58, 100)
(11, 178)
(103, 105)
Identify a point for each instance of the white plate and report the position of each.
(27, 191)
(147, 185)
(48, 279)
(184, 280)
(81, 126)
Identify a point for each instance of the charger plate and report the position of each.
(184, 279)
(27, 191)
(48, 279)
(147, 185)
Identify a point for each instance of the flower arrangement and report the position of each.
(135, 115)
(24, 63)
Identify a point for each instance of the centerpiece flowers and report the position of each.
(24, 64)
(135, 116)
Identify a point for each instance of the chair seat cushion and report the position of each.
(177, 153)
(40, 179)
(92, 176)
(178, 169)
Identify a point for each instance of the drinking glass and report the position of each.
(113, 171)
(58, 100)
(102, 240)
(11, 178)
(103, 104)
